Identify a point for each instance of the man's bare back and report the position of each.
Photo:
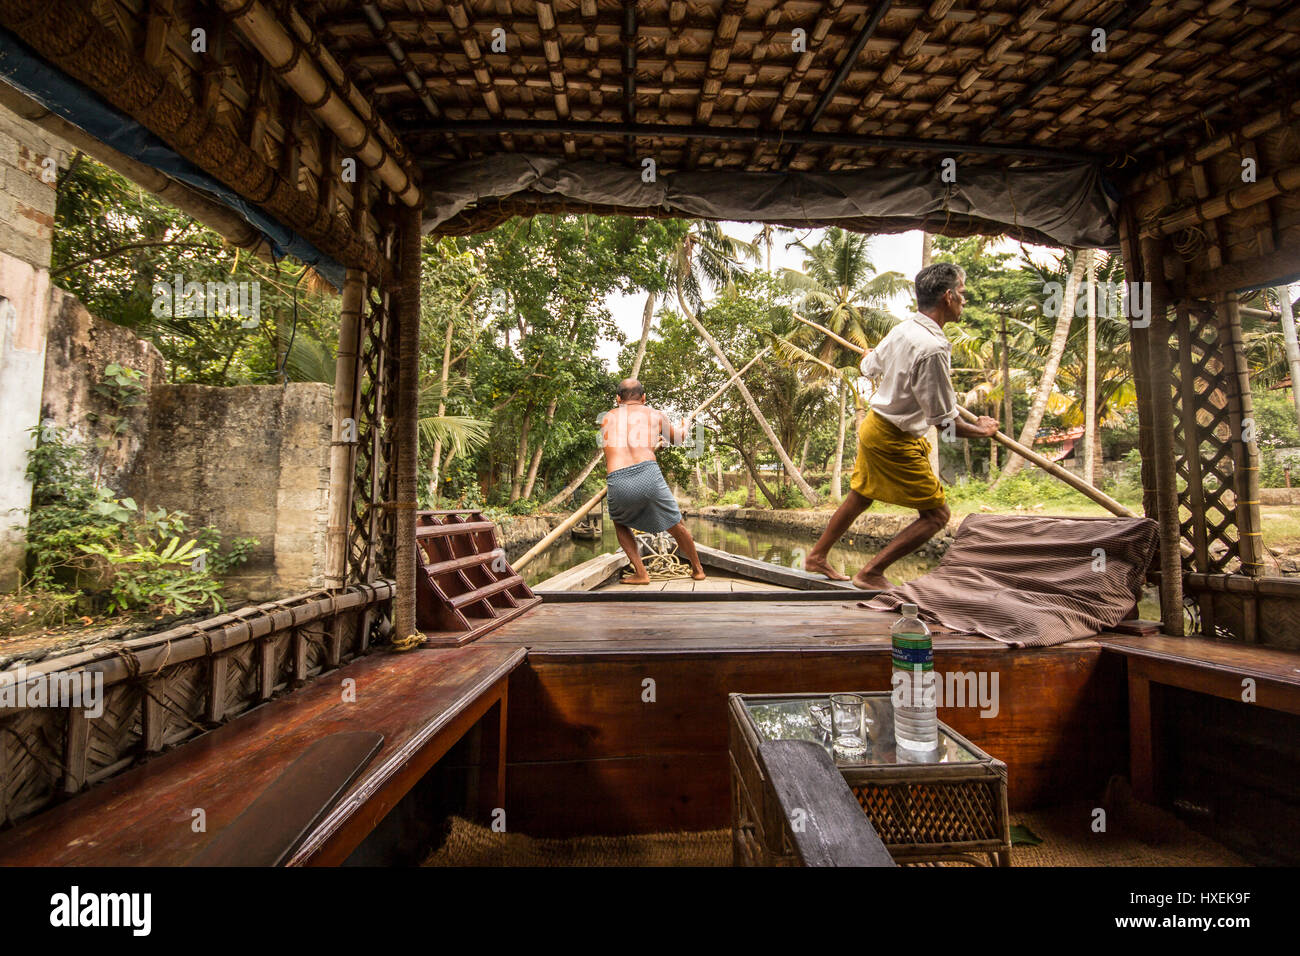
(638, 496)
(631, 433)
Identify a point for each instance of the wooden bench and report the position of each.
(1218, 668)
(823, 823)
(250, 793)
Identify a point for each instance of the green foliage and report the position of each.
(89, 550)
(116, 245)
(737, 497)
(1027, 489)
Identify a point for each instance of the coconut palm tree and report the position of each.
(840, 290)
(708, 256)
(1075, 266)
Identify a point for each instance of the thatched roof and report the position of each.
(416, 88)
(993, 74)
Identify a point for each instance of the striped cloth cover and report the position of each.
(1033, 581)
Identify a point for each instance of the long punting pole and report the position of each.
(573, 519)
(1049, 466)
(560, 528)
(725, 385)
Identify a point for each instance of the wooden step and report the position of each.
(460, 600)
(458, 564)
(442, 530)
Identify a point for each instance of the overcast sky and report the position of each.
(889, 253)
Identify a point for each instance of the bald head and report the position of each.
(630, 390)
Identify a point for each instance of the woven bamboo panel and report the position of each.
(374, 529)
(31, 758)
(1278, 621)
(115, 735)
(1206, 497)
(912, 815)
(180, 692)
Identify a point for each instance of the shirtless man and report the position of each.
(638, 495)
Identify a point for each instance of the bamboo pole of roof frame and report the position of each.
(285, 54)
(1159, 362)
(343, 443)
(406, 427)
(356, 99)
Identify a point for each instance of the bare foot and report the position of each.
(815, 565)
(698, 574)
(872, 582)
(635, 579)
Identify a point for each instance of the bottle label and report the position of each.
(913, 652)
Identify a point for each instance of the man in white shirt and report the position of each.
(912, 372)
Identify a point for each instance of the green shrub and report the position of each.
(90, 550)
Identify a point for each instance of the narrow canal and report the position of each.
(777, 547)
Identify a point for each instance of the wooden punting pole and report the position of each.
(573, 519)
(1049, 466)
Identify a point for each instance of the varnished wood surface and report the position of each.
(589, 753)
(146, 816)
(822, 818)
(716, 581)
(1245, 659)
(739, 627)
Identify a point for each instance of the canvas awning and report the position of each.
(1064, 205)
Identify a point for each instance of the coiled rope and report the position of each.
(659, 555)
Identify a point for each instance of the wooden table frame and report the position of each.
(1216, 668)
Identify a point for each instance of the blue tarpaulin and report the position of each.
(25, 71)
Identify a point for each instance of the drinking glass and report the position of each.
(848, 712)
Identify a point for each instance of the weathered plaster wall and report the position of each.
(79, 347)
(30, 159)
(252, 460)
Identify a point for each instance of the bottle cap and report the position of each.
(909, 610)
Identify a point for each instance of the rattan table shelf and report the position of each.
(947, 806)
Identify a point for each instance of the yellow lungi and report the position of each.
(894, 467)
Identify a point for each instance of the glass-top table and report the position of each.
(947, 804)
(796, 718)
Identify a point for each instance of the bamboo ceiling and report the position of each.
(710, 85)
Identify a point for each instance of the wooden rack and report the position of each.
(465, 587)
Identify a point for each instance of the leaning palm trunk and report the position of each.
(1059, 337)
(1090, 384)
(837, 467)
(775, 442)
(434, 487)
(646, 320)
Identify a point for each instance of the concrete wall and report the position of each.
(254, 461)
(30, 159)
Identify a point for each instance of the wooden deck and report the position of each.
(620, 720)
(716, 582)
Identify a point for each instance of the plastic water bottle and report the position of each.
(916, 721)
